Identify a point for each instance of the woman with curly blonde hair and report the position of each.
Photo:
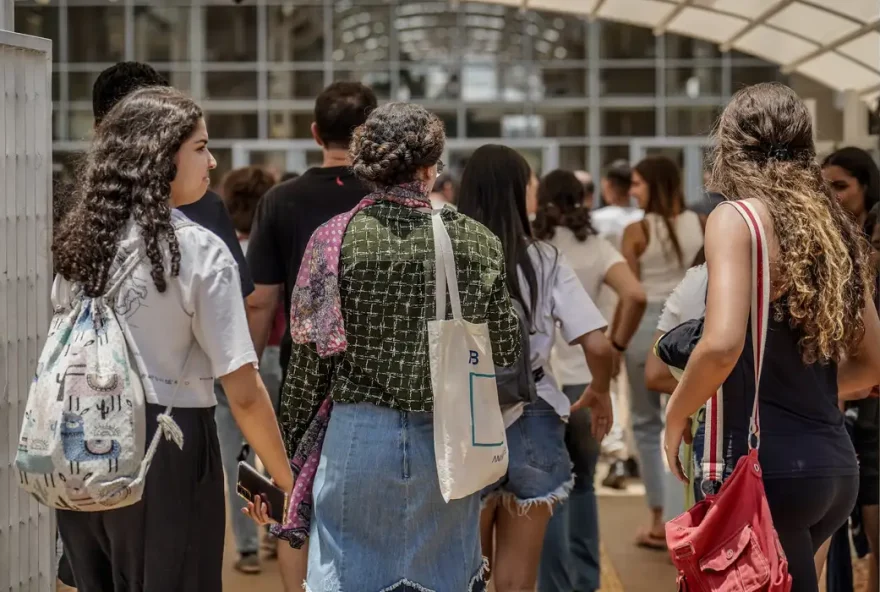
(823, 335)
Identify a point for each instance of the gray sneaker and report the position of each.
(248, 563)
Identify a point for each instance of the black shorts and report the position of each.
(172, 540)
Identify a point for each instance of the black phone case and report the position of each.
(252, 484)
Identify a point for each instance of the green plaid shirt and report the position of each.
(387, 295)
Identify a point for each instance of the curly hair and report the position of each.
(561, 198)
(126, 175)
(241, 190)
(764, 149)
(395, 142)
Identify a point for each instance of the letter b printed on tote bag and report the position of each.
(469, 437)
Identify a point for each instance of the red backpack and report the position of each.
(727, 542)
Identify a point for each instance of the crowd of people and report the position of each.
(600, 280)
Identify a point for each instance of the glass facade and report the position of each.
(490, 71)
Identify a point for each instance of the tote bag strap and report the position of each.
(713, 458)
(444, 269)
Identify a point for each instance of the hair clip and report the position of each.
(779, 153)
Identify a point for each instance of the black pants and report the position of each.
(806, 512)
(172, 540)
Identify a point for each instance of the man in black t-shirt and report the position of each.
(286, 218)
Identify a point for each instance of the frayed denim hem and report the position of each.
(477, 583)
(523, 506)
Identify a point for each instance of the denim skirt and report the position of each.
(380, 523)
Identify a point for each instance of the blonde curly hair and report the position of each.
(764, 149)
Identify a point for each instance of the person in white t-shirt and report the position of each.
(499, 190)
(619, 210)
(570, 560)
(183, 300)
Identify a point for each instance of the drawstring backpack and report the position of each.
(83, 436)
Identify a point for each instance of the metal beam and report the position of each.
(868, 27)
(7, 15)
(758, 21)
(594, 14)
(664, 24)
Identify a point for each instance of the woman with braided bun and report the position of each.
(180, 299)
(359, 324)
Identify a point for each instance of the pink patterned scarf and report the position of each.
(316, 317)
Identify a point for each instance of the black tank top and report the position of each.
(802, 430)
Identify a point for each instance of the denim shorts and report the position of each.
(379, 522)
(539, 469)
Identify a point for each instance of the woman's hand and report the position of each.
(676, 431)
(601, 415)
(258, 512)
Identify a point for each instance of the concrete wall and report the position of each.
(27, 529)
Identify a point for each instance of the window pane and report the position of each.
(39, 21)
(97, 33)
(360, 33)
(621, 41)
(493, 31)
(693, 82)
(231, 85)
(574, 158)
(741, 76)
(562, 123)
(378, 80)
(56, 86)
(493, 81)
(181, 79)
(63, 170)
(628, 81)
(161, 34)
(628, 122)
(80, 85)
(681, 47)
(80, 124)
(608, 154)
(429, 81)
(450, 122)
(289, 125)
(230, 33)
(296, 33)
(563, 83)
(426, 31)
(497, 121)
(231, 125)
(295, 85)
(557, 37)
(691, 121)
(223, 156)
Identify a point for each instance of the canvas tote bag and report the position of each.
(470, 443)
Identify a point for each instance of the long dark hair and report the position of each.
(665, 194)
(862, 167)
(127, 174)
(493, 192)
(561, 203)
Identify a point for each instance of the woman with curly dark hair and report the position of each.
(182, 300)
(823, 334)
(359, 324)
(570, 558)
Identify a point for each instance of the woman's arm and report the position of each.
(306, 386)
(728, 256)
(633, 244)
(254, 414)
(600, 358)
(862, 371)
(631, 304)
(657, 375)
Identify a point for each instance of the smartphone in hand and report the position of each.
(253, 486)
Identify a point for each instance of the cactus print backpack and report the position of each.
(83, 436)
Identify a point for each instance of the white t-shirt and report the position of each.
(611, 221)
(562, 305)
(203, 304)
(590, 259)
(688, 301)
